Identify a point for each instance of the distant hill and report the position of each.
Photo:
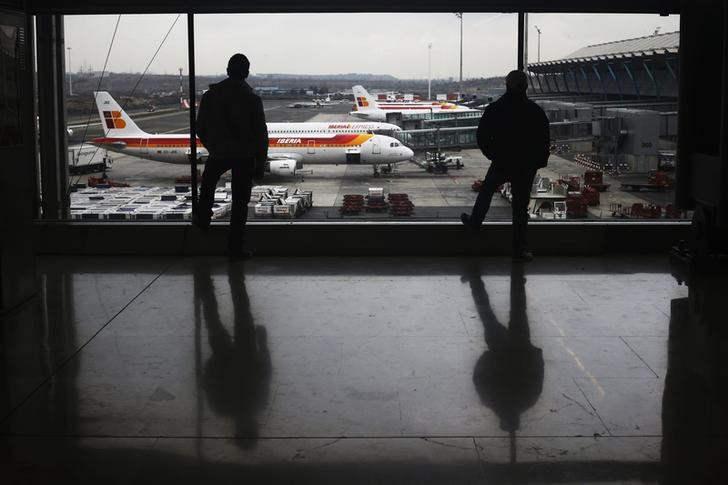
(333, 77)
(162, 90)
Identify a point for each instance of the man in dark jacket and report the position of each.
(514, 134)
(231, 125)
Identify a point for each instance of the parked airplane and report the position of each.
(368, 107)
(315, 103)
(290, 145)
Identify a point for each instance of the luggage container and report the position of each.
(576, 208)
(263, 210)
(590, 195)
(282, 211)
(221, 195)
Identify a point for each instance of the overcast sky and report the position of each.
(343, 43)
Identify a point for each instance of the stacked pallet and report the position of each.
(102, 203)
(279, 202)
(353, 204)
(400, 205)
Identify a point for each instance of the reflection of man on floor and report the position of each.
(509, 375)
(237, 375)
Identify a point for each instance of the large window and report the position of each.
(607, 82)
(127, 80)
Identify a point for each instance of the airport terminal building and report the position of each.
(641, 69)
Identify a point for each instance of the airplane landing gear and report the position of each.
(376, 170)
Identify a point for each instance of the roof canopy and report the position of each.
(642, 46)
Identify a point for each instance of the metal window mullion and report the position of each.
(521, 50)
(52, 117)
(193, 107)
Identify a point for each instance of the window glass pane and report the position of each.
(307, 75)
(609, 85)
(611, 111)
(133, 134)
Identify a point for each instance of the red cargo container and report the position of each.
(576, 207)
(595, 179)
(590, 195)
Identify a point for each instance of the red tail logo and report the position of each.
(113, 120)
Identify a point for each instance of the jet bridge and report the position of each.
(578, 134)
(439, 138)
(435, 131)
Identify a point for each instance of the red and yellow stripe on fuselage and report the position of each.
(311, 148)
(339, 140)
(419, 106)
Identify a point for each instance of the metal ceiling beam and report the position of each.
(238, 6)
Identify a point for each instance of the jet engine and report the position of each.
(282, 166)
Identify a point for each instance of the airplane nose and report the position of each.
(409, 152)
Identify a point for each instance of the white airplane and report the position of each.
(368, 107)
(290, 145)
(316, 103)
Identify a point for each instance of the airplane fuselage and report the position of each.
(369, 108)
(311, 148)
(290, 145)
(380, 112)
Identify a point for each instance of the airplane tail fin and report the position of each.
(114, 119)
(364, 101)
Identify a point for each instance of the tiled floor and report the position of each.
(202, 370)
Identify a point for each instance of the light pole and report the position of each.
(70, 80)
(429, 71)
(538, 57)
(460, 16)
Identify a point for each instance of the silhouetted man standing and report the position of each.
(231, 125)
(514, 134)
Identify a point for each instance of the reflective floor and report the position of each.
(356, 370)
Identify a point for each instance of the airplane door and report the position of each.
(311, 148)
(353, 157)
(376, 149)
(144, 147)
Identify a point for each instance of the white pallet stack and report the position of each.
(138, 203)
